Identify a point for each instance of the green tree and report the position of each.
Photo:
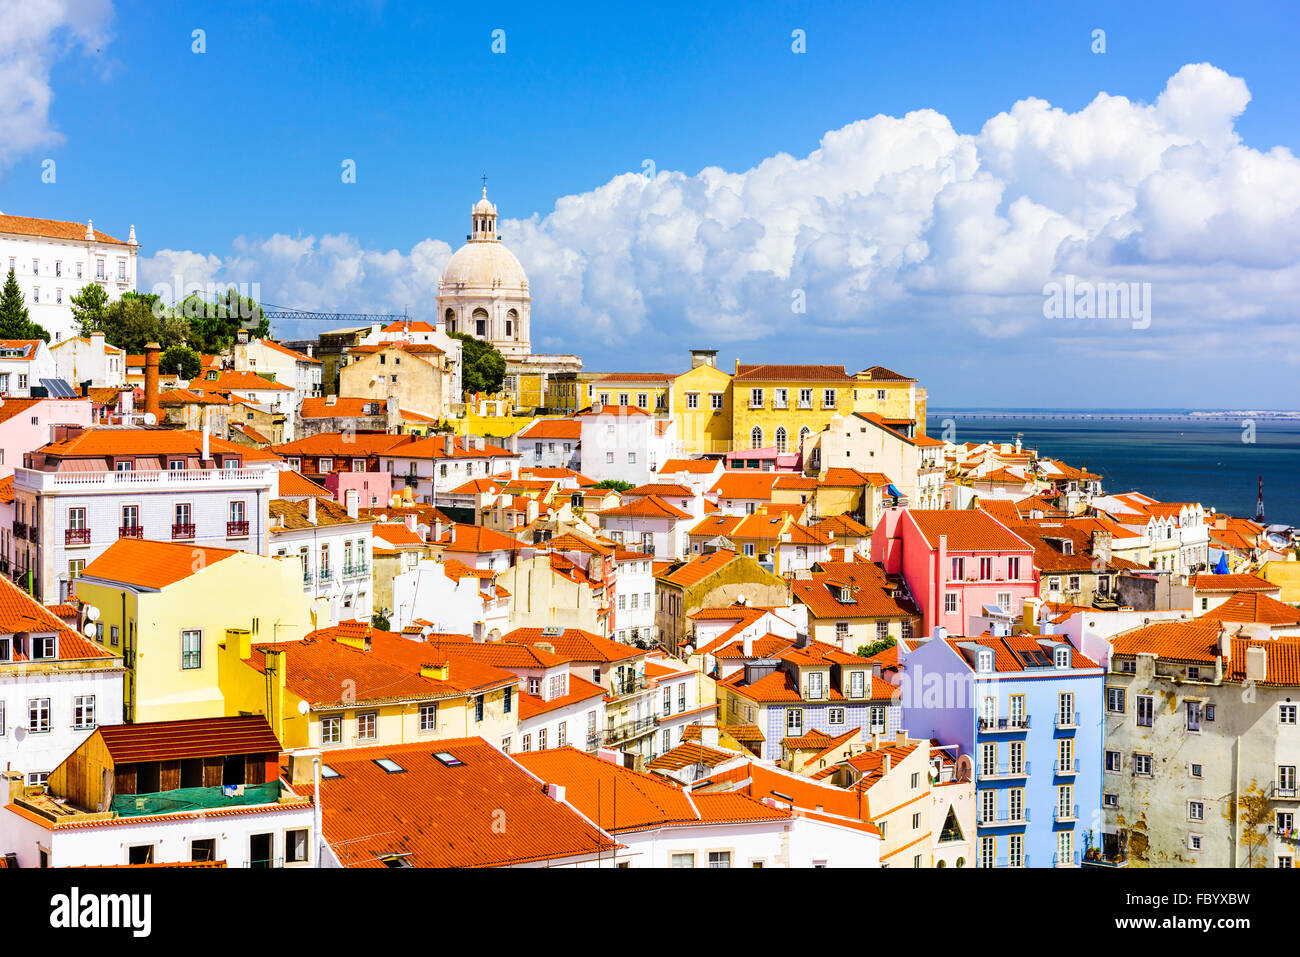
(213, 326)
(482, 367)
(88, 307)
(618, 485)
(15, 321)
(380, 619)
(137, 319)
(181, 361)
(876, 647)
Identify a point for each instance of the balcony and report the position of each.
(356, 570)
(307, 579)
(630, 730)
(130, 531)
(20, 530)
(1065, 767)
(76, 536)
(1066, 815)
(1067, 722)
(1009, 725)
(237, 529)
(1069, 860)
(33, 534)
(1023, 861)
(137, 480)
(326, 575)
(998, 771)
(1004, 818)
(621, 687)
(1284, 792)
(182, 531)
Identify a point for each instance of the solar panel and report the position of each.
(58, 389)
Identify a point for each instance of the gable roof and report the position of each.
(188, 738)
(51, 229)
(968, 530)
(149, 564)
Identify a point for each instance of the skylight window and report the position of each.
(449, 759)
(392, 767)
(328, 772)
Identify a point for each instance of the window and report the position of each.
(984, 661)
(756, 438)
(1286, 714)
(1193, 716)
(814, 684)
(683, 860)
(828, 398)
(642, 400)
(755, 400)
(1286, 780)
(295, 846)
(1145, 710)
(857, 684)
(1062, 657)
(1110, 800)
(38, 715)
(1017, 759)
(715, 400)
(988, 852)
(1142, 764)
(429, 717)
(986, 568)
(1195, 811)
(83, 711)
(835, 715)
(958, 569)
(1013, 568)
(1016, 804)
(1115, 702)
(882, 629)
(479, 702)
(367, 726)
(331, 729)
(950, 603)
(719, 858)
(793, 722)
(876, 719)
(191, 649)
(1114, 761)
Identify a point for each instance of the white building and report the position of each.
(634, 590)
(283, 365)
(441, 462)
(452, 597)
(625, 443)
(90, 487)
(335, 548)
(421, 333)
(79, 359)
(55, 687)
(23, 364)
(53, 260)
(552, 443)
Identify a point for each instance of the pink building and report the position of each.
(373, 488)
(955, 563)
(25, 425)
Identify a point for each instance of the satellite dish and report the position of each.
(91, 629)
(150, 419)
(303, 707)
(92, 613)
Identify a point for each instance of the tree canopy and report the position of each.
(140, 318)
(876, 647)
(618, 485)
(482, 367)
(181, 361)
(15, 321)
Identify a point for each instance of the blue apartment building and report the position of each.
(1027, 709)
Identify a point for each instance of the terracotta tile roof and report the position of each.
(1282, 661)
(851, 478)
(147, 440)
(661, 489)
(19, 612)
(396, 533)
(502, 654)
(150, 564)
(11, 406)
(697, 569)
(621, 800)
(745, 485)
(793, 373)
(477, 539)
(842, 526)
(690, 753)
(651, 506)
(434, 447)
(341, 444)
(285, 350)
(292, 515)
(27, 349)
(660, 377)
(51, 229)
(574, 644)
(1232, 583)
(1254, 607)
(230, 380)
(408, 325)
(847, 807)
(188, 738)
(295, 483)
(7, 488)
(733, 649)
(1003, 509)
(968, 530)
(1006, 651)
(438, 815)
(1193, 640)
(540, 429)
(692, 466)
(872, 594)
(318, 407)
(881, 374)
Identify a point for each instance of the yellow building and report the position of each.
(701, 406)
(418, 375)
(569, 392)
(1286, 575)
(649, 391)
(778, 406)
(353, 685)
(168, 607)
(894, 397)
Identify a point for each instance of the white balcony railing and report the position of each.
(156, 478)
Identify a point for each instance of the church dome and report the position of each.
(484, 264)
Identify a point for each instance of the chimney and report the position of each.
(301, 769)
(409, 520)
(747, 645)
(709, 735)
(448, 444)
(597, 407)
(331, 400)
(1256, 663)
(311, 509)
(885, 763)
(151, 403)
(531, 510)
(1224, 643)
(900, 739)
(206, 450)
(555, 792)
(441, 671)
(437, 530)
(353, 498)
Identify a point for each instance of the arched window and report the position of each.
(803, 435)
(756, 438)
(480, 322)
(511, 318)
(450, 318)
(780, 438)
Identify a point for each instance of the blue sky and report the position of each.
(228, 163)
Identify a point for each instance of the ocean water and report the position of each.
(1186, 460)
